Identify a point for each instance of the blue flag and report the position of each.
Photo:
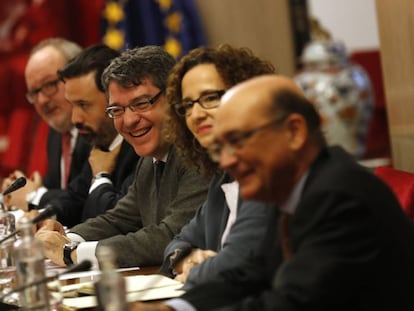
(173, 24)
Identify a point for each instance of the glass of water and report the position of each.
(7, 272)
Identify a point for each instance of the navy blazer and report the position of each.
(206, 229)
(352, 250)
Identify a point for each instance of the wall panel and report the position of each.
(396, 32)
(262, 25)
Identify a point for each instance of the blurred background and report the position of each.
(277, 30)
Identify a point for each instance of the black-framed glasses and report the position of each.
(208, 100)
(138, 106)
(237, 140)
(48, 89)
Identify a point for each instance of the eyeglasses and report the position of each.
(208, 100)
(141, 106)
(47, 89)
(236, 140)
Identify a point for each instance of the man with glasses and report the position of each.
(162, 198)
(109, 171)
(66, 153)
(344, 242)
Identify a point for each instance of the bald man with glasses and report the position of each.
(342, 241)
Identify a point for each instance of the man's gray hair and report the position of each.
(68, 49)
(135, 65)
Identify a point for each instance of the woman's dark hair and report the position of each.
(234, 65)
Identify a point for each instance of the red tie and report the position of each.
(67, 158)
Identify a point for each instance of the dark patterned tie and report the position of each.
(284, 231)
(158, 170)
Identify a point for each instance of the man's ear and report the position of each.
(297, 129)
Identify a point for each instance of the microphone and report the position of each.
(84, 265)
(49, 211)
(17, 184)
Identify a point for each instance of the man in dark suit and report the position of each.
(346, 243)
(107, 175)
(46, 94)
(159, 201)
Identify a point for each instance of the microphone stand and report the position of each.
(49, 211)
(9, 236)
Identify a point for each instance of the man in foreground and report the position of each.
(347, 245)
(158, 203)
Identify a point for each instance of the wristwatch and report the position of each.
(68, 248)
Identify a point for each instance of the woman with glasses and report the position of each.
(225, 231)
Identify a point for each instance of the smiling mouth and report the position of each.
(140, 133)
(203, 129)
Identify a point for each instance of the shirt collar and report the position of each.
(164, 158)
(116, 142)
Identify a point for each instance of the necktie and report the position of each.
(67, 157)
(158, 170)
(284, 231)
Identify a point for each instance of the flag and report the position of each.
(173, 24)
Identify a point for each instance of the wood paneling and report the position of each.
(396, 31)
(262, 25)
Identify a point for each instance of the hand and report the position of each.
(52, 225)
(103, 161)
(18, 198)
(149, 306)
(53, 243)
(30, 215)
(196, 257)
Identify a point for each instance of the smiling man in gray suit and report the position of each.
(154, 209)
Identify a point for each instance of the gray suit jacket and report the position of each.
(142, 224)
(206, 229)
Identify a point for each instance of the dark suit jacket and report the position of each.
(206, 229)
(352, 250)
(143, 223)
(76, 205)
(52, 179)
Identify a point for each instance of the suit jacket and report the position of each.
(206, 229)
(76, 205)
(52, 179)
(143, 223)
(352, 250)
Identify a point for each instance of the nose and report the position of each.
(227, 159)
(129, 118)
(198, 111)
(76, 115)
(42, 99)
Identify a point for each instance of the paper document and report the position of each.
(52, 268)
(84, 274)
(139, 288)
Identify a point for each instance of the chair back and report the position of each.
(402, 184)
